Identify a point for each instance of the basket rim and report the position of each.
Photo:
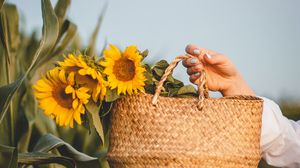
(231, 98)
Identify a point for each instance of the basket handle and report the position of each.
(202, 86)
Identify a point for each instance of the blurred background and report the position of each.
(261, 37)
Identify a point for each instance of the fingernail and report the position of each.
(208, 56)
(197, 74)
(193, 61)
(196, 51)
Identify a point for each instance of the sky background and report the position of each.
(262, 37)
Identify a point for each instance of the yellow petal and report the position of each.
(75, 103)
(42, 85)
(71, 78)
(69, 89)
(77, 117)
(42, 95)
(62, 76)
(82, 72)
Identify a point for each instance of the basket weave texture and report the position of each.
(224, 133)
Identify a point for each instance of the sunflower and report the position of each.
(87, 73)
(59, 98)
(124, 70)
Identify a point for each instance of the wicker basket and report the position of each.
(185, 132)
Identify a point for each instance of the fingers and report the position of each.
(209, 57)
(194, 77)
(194, 69)
(191, 62)
(196, 50)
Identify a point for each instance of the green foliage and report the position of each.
(38, 158)
(93, 110)
(8, 156)
(25, 127)
(171, 87)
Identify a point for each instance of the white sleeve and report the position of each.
(280, 137)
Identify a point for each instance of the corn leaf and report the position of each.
(38, 158)
(27, 50)
(29, 111)
(68, 36)
(9, 29)
(49, 142)
(69, 30)
(8, 156)
(6, 93)
(1, 4)
(49, 36)
(9, 32)
(61, 9)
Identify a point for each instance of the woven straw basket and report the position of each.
(152, 131)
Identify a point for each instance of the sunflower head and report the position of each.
(124, 70)
(87, 74)
(59, 98)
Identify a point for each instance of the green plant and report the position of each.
(27, 136)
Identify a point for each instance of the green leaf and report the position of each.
(162, 64)
(61, 9)
(158, 73)
(172, 92)
(69, 35)
(29, 109)
(159, 68)
(104, 163)
(173, 84)
(6, 93)
(38, 158)
(28, 50)
(148, 75)
(144, 53)
(111, 95)
(187, 91)
(8, 156)
(93, 39)
(49, 36)
(93, 109)
(49, 142)
(50, 33)
(1, 4)
(10, 29)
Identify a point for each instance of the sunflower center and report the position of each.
(63, 99)
(124, 69)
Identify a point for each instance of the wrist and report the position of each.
(238, 86)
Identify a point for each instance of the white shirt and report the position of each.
(280, 137)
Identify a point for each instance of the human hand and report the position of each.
(221, 74)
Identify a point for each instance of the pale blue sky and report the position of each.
(262, 37)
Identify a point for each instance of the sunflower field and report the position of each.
(56, 95)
